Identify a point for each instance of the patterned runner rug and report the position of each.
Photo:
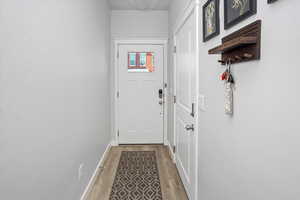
(137, 177)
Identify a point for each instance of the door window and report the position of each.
(141, 62)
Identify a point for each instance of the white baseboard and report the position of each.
(95, 174)
(114, 143)
(171, 151)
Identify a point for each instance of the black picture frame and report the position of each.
(252, 10)
(215, 18)
(271, 1)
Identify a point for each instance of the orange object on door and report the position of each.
(149, 62)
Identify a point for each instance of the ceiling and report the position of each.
(139, 4)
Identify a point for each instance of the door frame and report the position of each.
(115, 82)
(192, 7)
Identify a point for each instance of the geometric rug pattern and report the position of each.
(137, 177)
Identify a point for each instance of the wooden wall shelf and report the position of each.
(232, 44)
(240, 46)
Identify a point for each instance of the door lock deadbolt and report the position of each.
(160, 93)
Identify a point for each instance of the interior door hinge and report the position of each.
(118, 94)
(175, 49)
(175, 99)
(193, 110)
(118, 133)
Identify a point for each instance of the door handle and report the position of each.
(161, 102)
(190, 127)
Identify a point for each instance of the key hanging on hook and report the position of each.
(224, 75)
(229, 91)
(230, 77)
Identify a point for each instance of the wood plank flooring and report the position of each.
(171, 185)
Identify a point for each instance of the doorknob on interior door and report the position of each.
(190, 127)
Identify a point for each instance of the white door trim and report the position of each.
(117, 43)
(193, 6)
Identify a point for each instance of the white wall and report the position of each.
(54, 97)
(139, 24)
(254, 154)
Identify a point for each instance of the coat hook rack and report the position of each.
(240, 46)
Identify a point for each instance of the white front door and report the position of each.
(141, 94)
(186, 104)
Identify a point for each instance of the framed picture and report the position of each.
(211, 20)
(271, 1)
(236, 11)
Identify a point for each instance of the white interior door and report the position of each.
(141, 94)
(186, 104)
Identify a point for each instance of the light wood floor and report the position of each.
(171, 184)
